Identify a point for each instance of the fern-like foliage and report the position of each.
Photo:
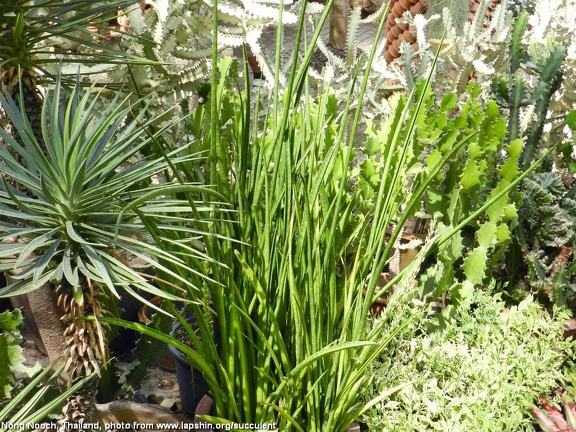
(176, 39)
(476, 49)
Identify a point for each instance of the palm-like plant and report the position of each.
(33, 31)
(80, 219)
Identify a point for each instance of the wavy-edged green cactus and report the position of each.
(480, 172)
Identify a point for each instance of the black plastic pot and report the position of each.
(126, 339)
(191, 383)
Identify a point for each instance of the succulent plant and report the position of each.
(553, 419)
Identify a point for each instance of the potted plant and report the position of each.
(293, 252)
(74, 207)
(291, 257)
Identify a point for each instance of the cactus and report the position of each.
(176, 38)
(534, 76)
(514, 93)
(472, 49)
(344, 59)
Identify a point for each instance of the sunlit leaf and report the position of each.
(475, 265)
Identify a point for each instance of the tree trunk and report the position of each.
(42, 318)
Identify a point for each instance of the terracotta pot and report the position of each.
(408, 36)
(405, 4)
(398, 10)
(418, 8)
(396, 31)
(128, 413)
(404, 27)
(570, 329)
(389, 57)
(205, 407)
(408, 255)
(380, 304)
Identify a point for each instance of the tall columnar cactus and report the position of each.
(515, 94)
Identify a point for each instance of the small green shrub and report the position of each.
(478, 368)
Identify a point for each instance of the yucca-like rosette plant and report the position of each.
(74, 209)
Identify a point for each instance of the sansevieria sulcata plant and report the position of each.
(294, 338)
